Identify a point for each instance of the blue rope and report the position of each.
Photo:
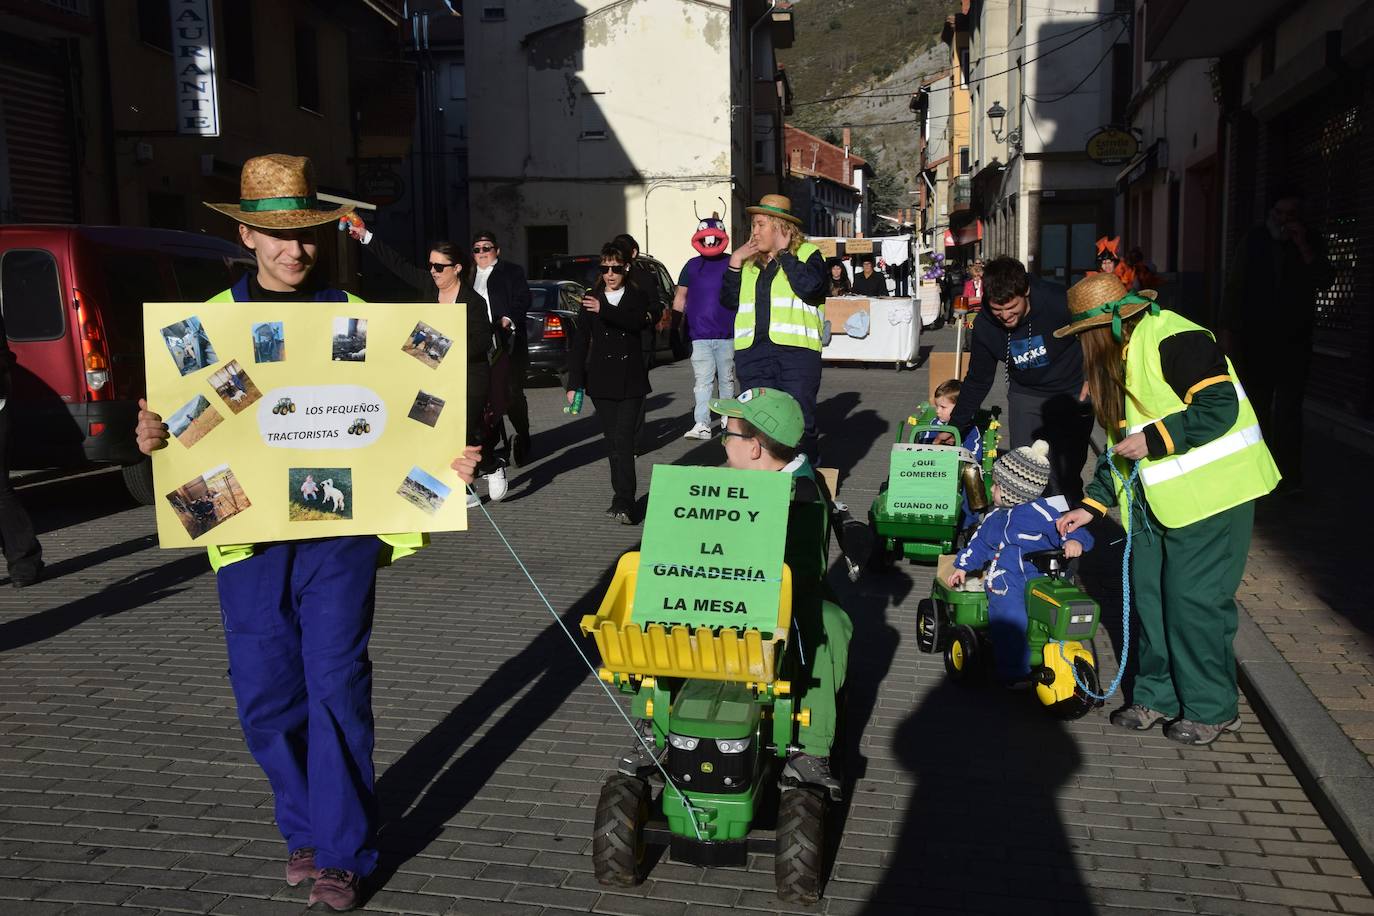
(698, 818)
(1128, 491)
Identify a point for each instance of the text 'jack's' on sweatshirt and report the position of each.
(1038, 363)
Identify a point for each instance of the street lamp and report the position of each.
(997, 114)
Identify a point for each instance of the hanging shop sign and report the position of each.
(1112, 146)
(193, 66)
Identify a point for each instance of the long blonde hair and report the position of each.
(795, 238)
(1104, 369)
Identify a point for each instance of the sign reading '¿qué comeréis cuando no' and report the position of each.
(923, 481)
(713, 548)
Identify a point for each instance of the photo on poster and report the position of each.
(269, 342)
(233, 385)
(319, 494)
(427, 345)
(426, 408)
(193, 420)
(350, 340)
(205, 501)
(189, 345)
(424, 492)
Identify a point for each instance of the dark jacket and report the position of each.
(508, 292)
(606, 358)
(1037, 361)
(7, 361)
(479, 323)
(875, 285)
(809, 279)
(1271, 294)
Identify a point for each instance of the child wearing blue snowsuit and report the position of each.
(1021, 523)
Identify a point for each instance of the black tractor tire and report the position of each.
(1078, 705)
(961, 655)
(618, 835)
(138, 480)
(799, 863)
(928, 626)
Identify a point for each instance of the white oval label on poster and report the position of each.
(321, 417)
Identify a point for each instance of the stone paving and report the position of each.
(125, 787)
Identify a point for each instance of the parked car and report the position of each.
(586, 270)
(549, 324)
(72, 297)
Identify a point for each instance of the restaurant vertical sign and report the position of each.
(193, 62)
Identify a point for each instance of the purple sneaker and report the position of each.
(337, 889)
(300, 866)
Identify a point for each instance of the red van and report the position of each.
(72, 298)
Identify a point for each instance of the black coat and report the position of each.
(508, 292)
(479, 323)
(875, 285)
(606, 358)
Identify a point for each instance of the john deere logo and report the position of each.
(708, 767)
(1112, 146)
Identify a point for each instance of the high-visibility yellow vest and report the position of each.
(1234, 468)
(791, 322)
(397, 545)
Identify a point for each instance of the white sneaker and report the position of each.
(700, 431)
(473, 500)
(496, 485)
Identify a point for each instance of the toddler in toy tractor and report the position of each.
(1022, 523)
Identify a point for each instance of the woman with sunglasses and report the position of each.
(606, 361)
(441, 280)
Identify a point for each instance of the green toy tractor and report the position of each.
(923, 532)
(723, 718)
(1061, 623)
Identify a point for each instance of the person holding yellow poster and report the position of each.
(298, 614)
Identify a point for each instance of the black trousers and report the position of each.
(1275, 383)
(22, 551)
(1065, 423)
(619, 418)
(517, 408)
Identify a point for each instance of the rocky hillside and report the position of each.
(877, 52)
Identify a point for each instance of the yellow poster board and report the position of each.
(296, 420)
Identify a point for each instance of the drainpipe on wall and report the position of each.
(749, 124)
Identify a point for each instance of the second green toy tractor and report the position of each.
(923, 536)
(1061, 623)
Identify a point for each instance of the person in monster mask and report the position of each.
(709, 326)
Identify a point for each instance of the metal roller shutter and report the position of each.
(38, 123)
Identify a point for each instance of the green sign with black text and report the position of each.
(713, 548)
(923, 480)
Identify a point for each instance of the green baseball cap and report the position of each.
(771, 411)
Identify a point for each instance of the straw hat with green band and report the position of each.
(775, 205)
(1100, 299)
(278, 192)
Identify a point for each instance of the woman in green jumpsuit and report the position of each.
(1169, 399)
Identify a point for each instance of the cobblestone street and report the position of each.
(126, 788)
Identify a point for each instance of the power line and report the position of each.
(1059, 98)
(1083, 31)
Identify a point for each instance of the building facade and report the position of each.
(88, 116)
(1274, 95)
(571, 144)
(1043, 80)
(948, 222)
(827, 184)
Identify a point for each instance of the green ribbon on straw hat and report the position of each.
(1114, 307)
(265, 204)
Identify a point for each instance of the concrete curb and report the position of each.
(1335, 775)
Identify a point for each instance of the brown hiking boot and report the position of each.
(337, 889)
(300, 866)
(1137, 717)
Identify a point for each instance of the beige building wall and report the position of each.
(604, 120)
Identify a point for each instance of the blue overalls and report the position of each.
(1000, 544)
(297, 619)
